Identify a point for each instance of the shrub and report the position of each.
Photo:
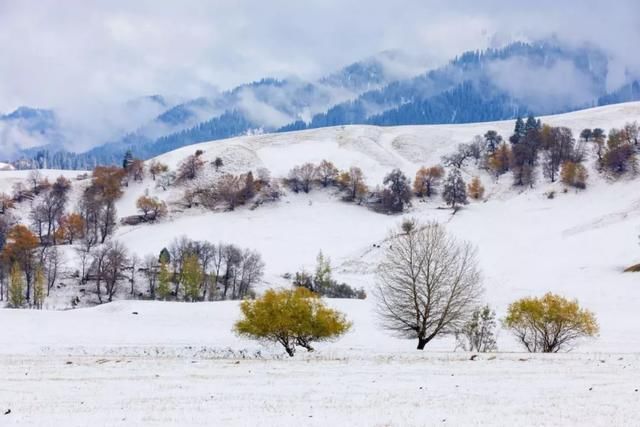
(549, 324)
(291, 318)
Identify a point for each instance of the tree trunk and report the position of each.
(421, 343)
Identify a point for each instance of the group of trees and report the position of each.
(29, 259)
(429, 285)
(397, 189)
(230, 191)
(532, 144)
(193, 270)
(323, 283)
(351, 182)
(618, 154)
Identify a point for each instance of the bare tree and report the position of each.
(151, 267)
(134, 263)
(301, 177)
(109, 263)
(327, 173)
(428, 283)
(190, 168)
(51, 261)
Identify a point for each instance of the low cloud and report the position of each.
(544, 87)
(85, 57)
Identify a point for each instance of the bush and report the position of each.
(291, 318)
(549, 324)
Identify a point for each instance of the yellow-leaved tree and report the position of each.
(475, 190)
(192, 277)
(295, 317)
(164, 281)
(16, 286)
(549, 324)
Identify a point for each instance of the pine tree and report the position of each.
(191, 277)
(164, 280)
(128, 160)
(322, 278)
(16, 287)
(518, 132)
(218, 163)
(531, 125)
(165, 256)
(455, 189)
(492, 141)
(39, 289)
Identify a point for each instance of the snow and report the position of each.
(180, 363)
(5, 166)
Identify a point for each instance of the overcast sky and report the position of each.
(72, 52)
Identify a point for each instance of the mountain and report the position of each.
(540, 78)
(509, 81)
(628, 93)
(255, 107)
(27, 127)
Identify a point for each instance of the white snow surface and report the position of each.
(180, 363)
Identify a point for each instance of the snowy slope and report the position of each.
(5, 166)
(528, 244)
(160, 366)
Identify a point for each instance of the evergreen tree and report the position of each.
(16, 287)
(492, 141)
(455, 189)
(518, 132)
(164, 280)
(165, 256)
(532, 125)
(128, 160)
(322, 280)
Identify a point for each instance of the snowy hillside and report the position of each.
(575, 244)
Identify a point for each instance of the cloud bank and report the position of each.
(84, 57)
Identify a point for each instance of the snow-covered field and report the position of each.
(179, 363)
